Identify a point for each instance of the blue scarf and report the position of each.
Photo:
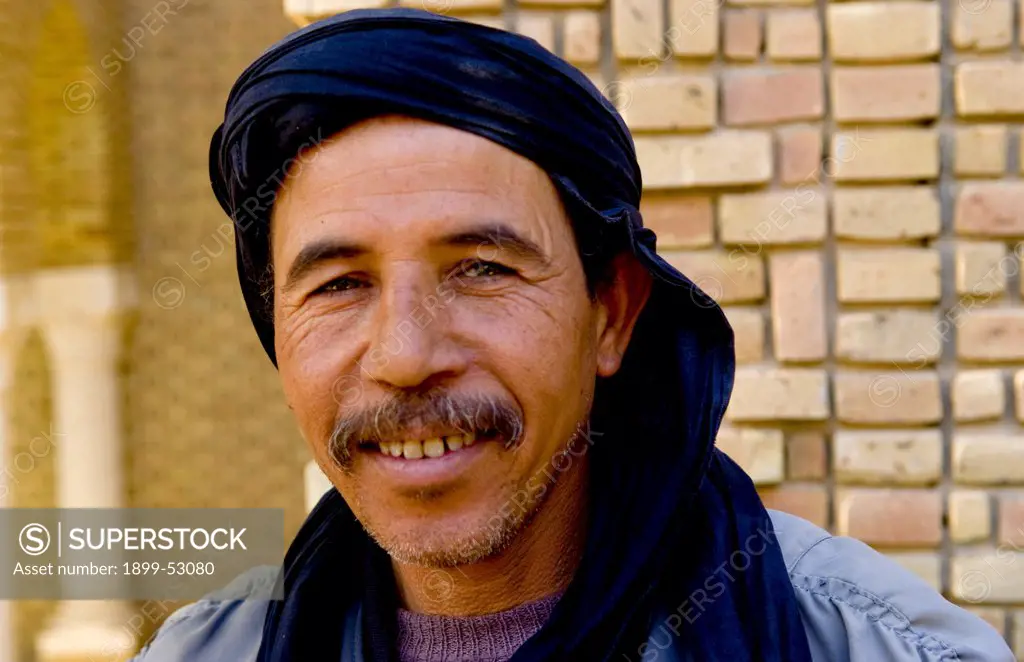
(679, 543)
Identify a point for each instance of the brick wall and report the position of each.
(845, 178)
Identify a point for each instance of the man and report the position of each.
(515, 398)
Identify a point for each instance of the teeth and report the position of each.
(413, 450)
(433, 447)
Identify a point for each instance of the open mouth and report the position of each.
(430, 447)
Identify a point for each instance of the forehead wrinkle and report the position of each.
(454, 200)
(406, 144)
(391, 195)
(354, 206)
(384, 181)
(371, 169)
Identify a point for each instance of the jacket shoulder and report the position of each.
(860, 606)
(224, 626)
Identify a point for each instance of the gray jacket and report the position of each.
(856, 604)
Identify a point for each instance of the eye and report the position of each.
(483, 269)
(343, 284)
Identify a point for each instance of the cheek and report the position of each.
(544, 353)
(317, 384)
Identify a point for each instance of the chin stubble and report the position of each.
(456, 547)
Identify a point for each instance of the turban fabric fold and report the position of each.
(669, 512)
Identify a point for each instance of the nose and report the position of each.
(410, 344)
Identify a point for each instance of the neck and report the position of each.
(540, 561)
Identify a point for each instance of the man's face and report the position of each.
(434, 333)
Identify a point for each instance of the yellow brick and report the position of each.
(763, 394)
(452, 6)
(609, 89)
(774, 217)
(885, 154)
(582, 37)
(771, 97)
(1018, 395)
(888, 336)
(899, 457)
(638, 27)
(799, 155)
(496, 22)
(1010, 523)
(310, 10)
(876, 31)
(888, 275)
(970, 516)
(806, 456)
(727, 276)
(988, 458)
(718, 159)
(809, 502)
(770, 2)
(741, 38)
(925, 565)
(987, 577)
(978, 395)
(540, 28)
(980, 151)
(693, 30)
(993, 209)
(980, 268)
(1020, 151)
(890, 518)
(885, 94)
(758, 452)
(982, 25)
(1018, 619)
(886, 214)
(798, 305)
(680, 221)
(748, 329)
(888, 398)
(793, 35)
(560, 4)
(989, 88)
(989, 335)
(669, 102)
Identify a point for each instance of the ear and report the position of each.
(620, 299)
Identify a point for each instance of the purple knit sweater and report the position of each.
(488, 638)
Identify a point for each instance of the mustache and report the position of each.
(391, 419)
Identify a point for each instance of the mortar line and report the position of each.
(830, 257)
(946, 365)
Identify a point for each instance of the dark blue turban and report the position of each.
(667, 509)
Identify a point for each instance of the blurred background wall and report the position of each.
(843, 176)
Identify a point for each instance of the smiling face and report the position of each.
(434, 333)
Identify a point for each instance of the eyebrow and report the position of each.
(500, 237)
(496, 235)
(316, 253)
